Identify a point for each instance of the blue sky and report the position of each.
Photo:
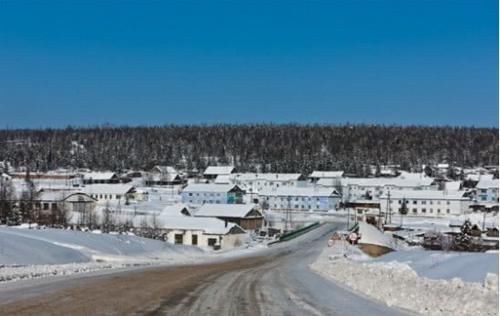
(404, 62)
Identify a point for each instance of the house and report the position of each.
(100, 177)
(111, 192)
(430, 203)
(201, 193)
(299, 199)
(487, 190)
(179, 228)
(163, 175)
(253, 183)
(247, 216)
(213, 171)
(315, 176)
(202, 232)
(60, 202)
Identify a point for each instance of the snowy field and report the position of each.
(29, 253)
(425, 282)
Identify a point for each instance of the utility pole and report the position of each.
(288, 215)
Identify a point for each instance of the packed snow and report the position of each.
(429, 283)
(28, 253)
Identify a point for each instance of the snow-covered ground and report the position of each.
(425, 282)
(28, 253)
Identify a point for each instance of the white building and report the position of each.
(253, 183)
(315, 176)
(213, 171)
(299, 199)
(110, 192)
(487, 190)
(431, 203)
(373, 188)
(100, 177)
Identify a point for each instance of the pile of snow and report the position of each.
(27, 253)
(369, 234)
(397, 284)
(468, 266)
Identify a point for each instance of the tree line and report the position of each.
(249, 147)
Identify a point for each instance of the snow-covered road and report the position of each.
(277, 281)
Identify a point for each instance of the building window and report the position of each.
(448, 202)
(415, 211)
(423, 210)
(448, 211)
(190, 194)
(431, 210)
(438, 210)
(179, 238)
(194, 240)
(423, 202)
(399, 201)
(45, 206)
(211, 242)
(430, 202)
(414, 202)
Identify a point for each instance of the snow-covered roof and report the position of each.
(208, 225)
(176, 209)
(222, 179)
(216, 170)
(371, 235)
(329, 182)
(209, 187)
(452, 185)
(165, 169)
(117, 188)
(487, 183)
(99, 175)
(426, 195)
(326, 174)
(225, 210)
(380, 182)
(57, 195)
(299, 191)
(265, 176)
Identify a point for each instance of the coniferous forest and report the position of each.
(250, 147)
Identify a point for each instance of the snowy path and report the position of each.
(276, 281)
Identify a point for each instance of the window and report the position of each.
(414, 202)
(179, 238)
(118, 196)
(430, 202)
(438, 202)
(45, 206)
(190, 194)
(423, 202)
(448, 211)
(424, 210)
(399, 201)
(438, 210)
(431, 210)
(194, 240)
(211, 242)
(448, 202)
(415, 211)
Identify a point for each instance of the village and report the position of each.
(220, 208)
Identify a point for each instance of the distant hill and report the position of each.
(264, 147)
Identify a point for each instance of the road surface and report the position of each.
(277, 281)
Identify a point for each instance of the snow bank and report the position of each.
(369, 234)
(470, 267)
(397, 284)
(30, 253)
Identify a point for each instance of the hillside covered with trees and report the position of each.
(263, 147)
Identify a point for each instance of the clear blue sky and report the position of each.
(401, 61)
